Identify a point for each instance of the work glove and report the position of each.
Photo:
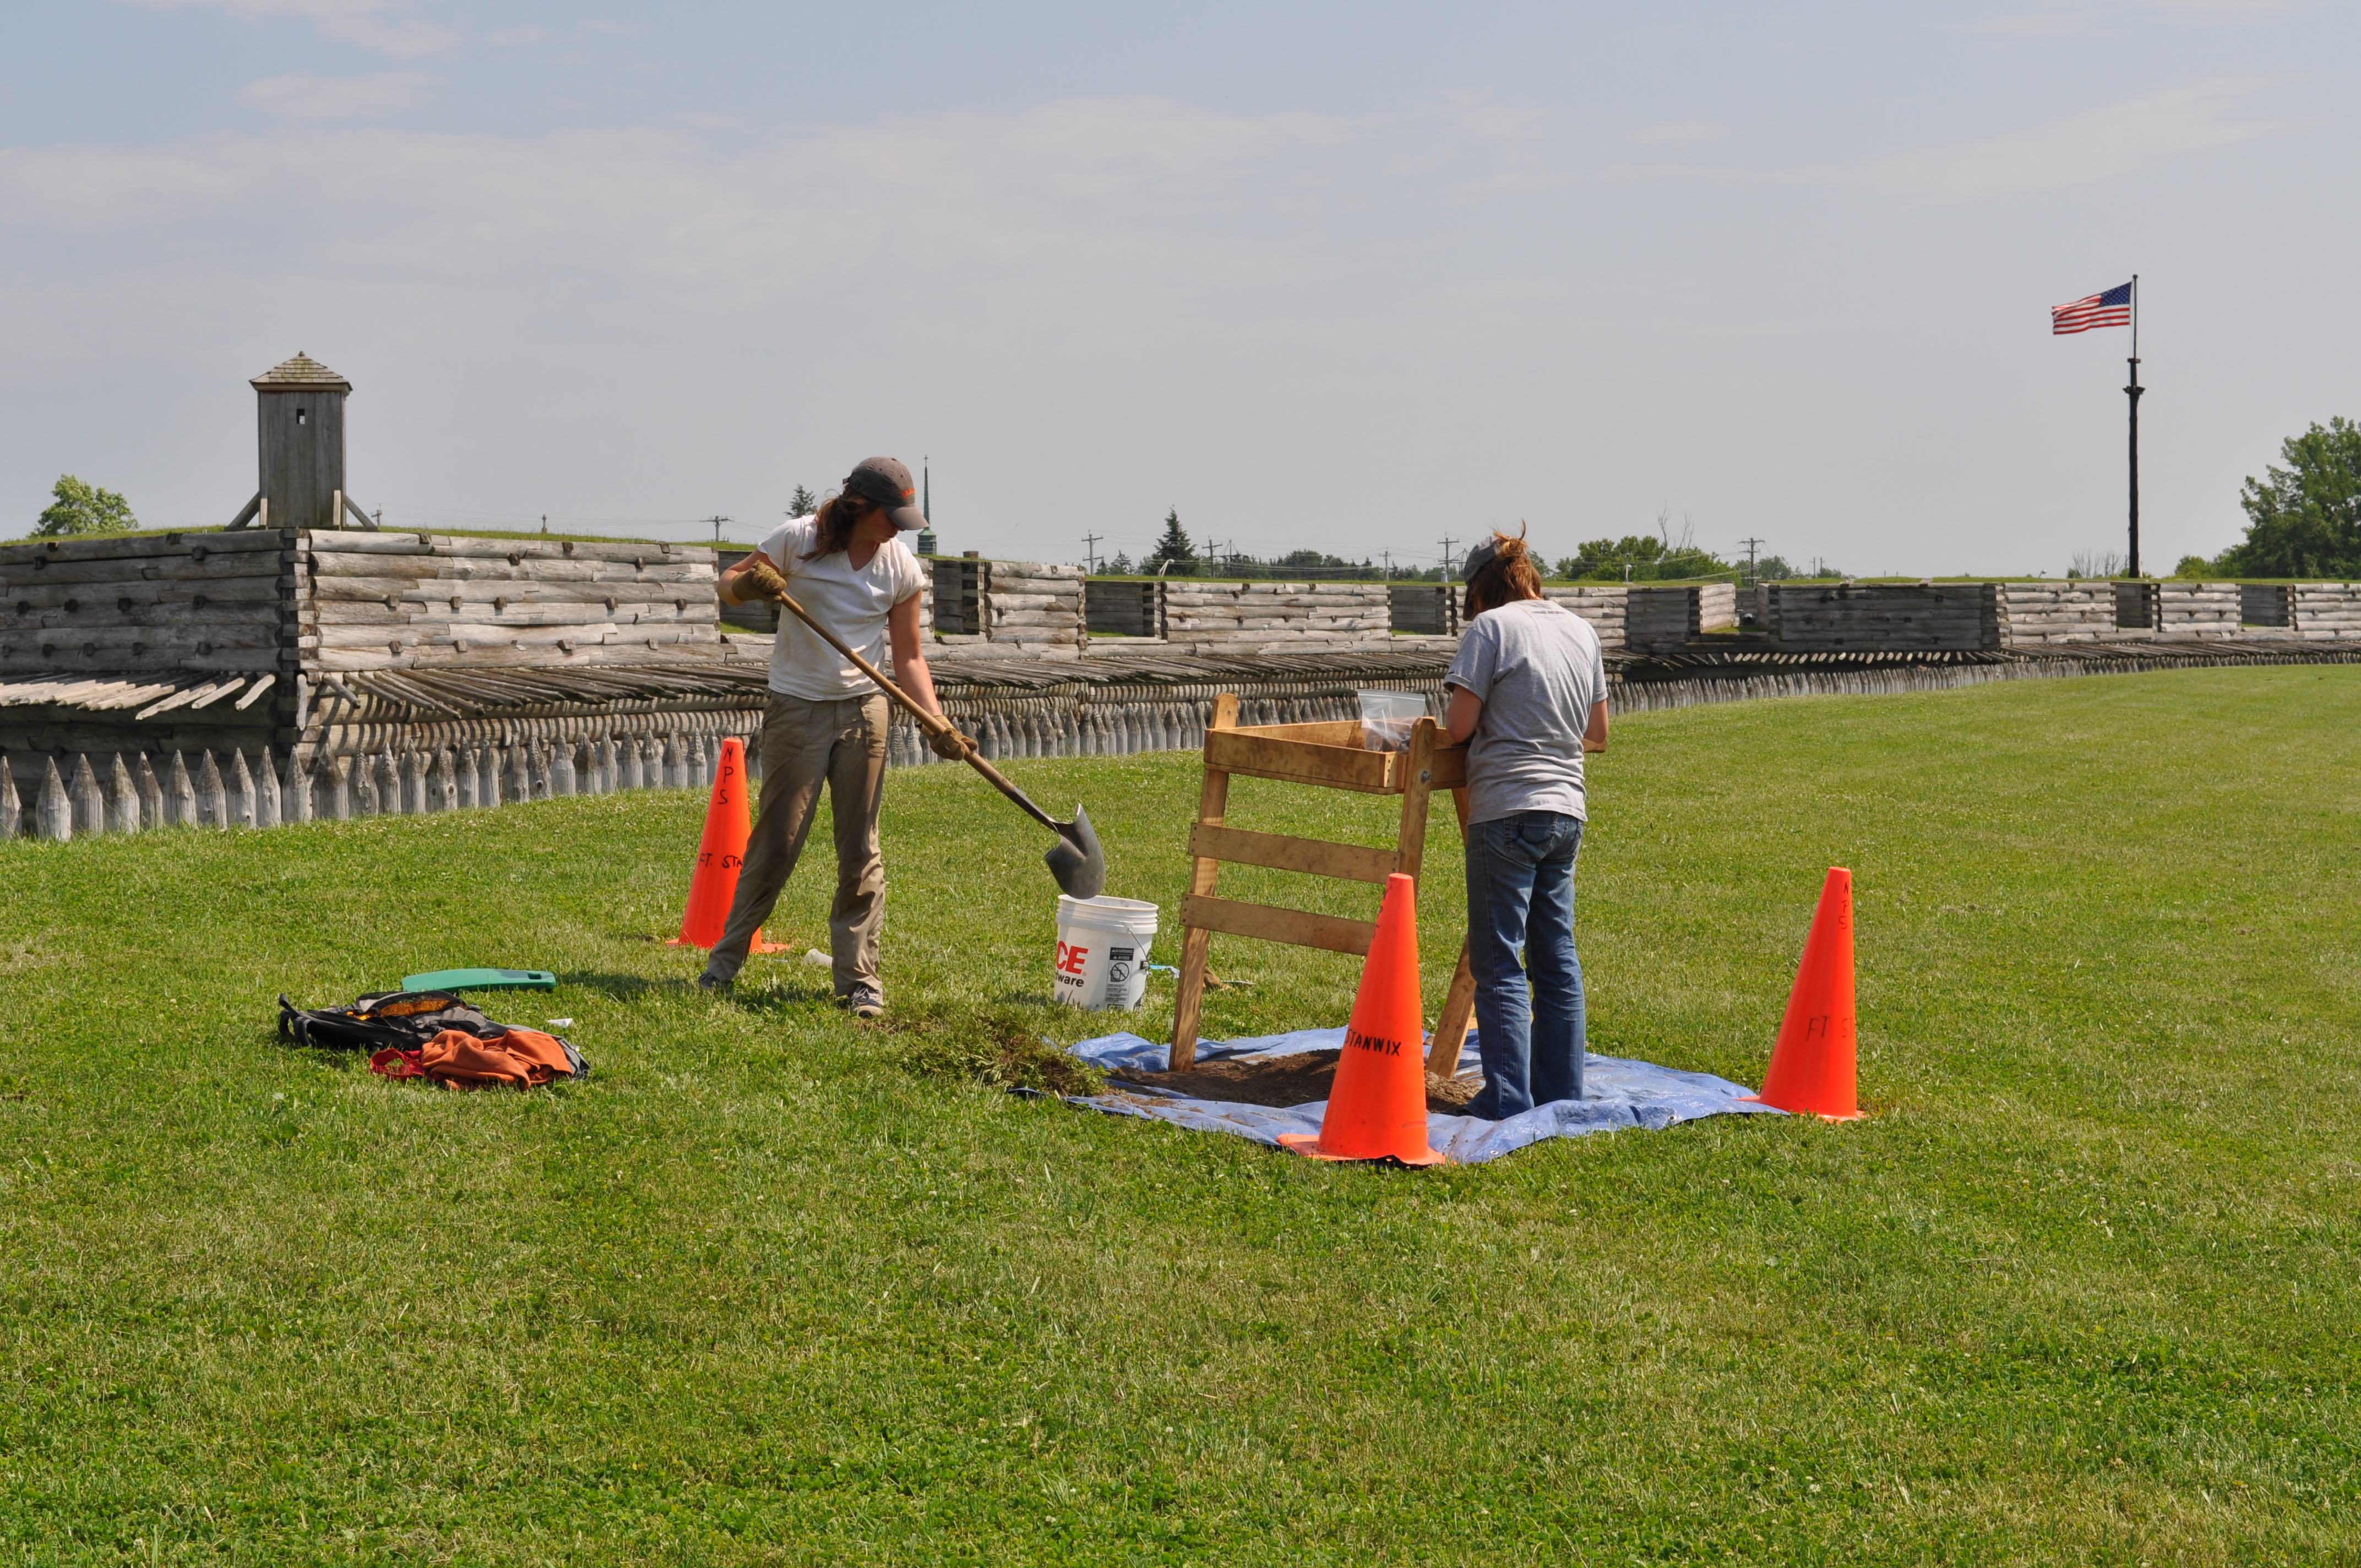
(950, 746)
(760, 580)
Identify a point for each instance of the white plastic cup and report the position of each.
(1103, 951)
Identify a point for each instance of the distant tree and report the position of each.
(803, 503)
(2304, 521)
(84, 509)
(2193, 566)
(1173, 551)
(1641, 557)
(1774, 569)
(1121, 565)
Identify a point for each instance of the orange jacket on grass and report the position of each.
(521, 1059)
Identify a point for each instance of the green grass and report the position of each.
(773, 1287)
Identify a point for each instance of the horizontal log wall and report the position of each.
(1658, 618)
(1122, 607)
(2328, 612)
(1607, 606)
(213, 603)
(2135, 606)
(1717, 606)
(1425, 609)
(1893, 618)
(1035, 606)
(2267, 604)
(1224, 618)
(397, 601)
(2198, 609)
(2035, 613)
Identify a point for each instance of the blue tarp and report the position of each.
(1616, 1093)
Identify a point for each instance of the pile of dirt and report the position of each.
(999, 1046)
(1282, 1081)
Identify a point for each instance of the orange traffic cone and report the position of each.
(1812, 1065)
(1376, 1109)
(720, 852)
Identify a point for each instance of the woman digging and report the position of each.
(826, 721)
(1529, 694)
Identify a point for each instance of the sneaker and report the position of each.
(715, 983)
(863, 1001)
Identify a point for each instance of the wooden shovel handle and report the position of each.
(932, 723)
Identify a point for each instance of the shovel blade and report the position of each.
(1076, 861)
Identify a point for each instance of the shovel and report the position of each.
(1075, 859)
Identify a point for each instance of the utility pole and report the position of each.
(1389, 563)
(716, 523)
(544, 522)
(1752, 545)
(1091, 553)
(1447, 543)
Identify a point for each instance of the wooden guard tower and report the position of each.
(1327, 756)
(300, 416)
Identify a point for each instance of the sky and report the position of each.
(1355, 279)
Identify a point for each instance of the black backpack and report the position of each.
(403, 1019)
(398, 1020)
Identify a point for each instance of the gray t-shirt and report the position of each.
(1536, 668)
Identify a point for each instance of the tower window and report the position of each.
(299, 416)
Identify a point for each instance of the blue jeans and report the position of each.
(1521, 895)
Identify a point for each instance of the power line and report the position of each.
(1091, 551)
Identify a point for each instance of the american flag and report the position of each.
(2113, 308)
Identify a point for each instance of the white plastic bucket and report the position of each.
(1103, 951)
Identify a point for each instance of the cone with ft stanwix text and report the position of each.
(1812, 1065)
(1376, 1108)
(720, 854)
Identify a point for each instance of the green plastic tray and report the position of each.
(481, 979)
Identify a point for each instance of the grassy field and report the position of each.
(2083, 1289)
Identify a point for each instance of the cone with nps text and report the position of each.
(720, 855)
(1376, 1108)
(1812, 1065)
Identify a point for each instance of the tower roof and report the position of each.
(299, 373)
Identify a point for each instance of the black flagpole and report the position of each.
(2133, 392)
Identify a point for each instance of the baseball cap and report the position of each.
(1479, 558)
(887, 481)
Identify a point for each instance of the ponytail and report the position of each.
(1509, 575)
(832, 525)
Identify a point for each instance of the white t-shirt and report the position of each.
(850, 603)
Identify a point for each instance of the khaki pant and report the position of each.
(843, 744)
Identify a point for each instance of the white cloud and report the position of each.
(1674, 133)
(2099, 144)
(1061, 187)
(390, 27)
(337, 97)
